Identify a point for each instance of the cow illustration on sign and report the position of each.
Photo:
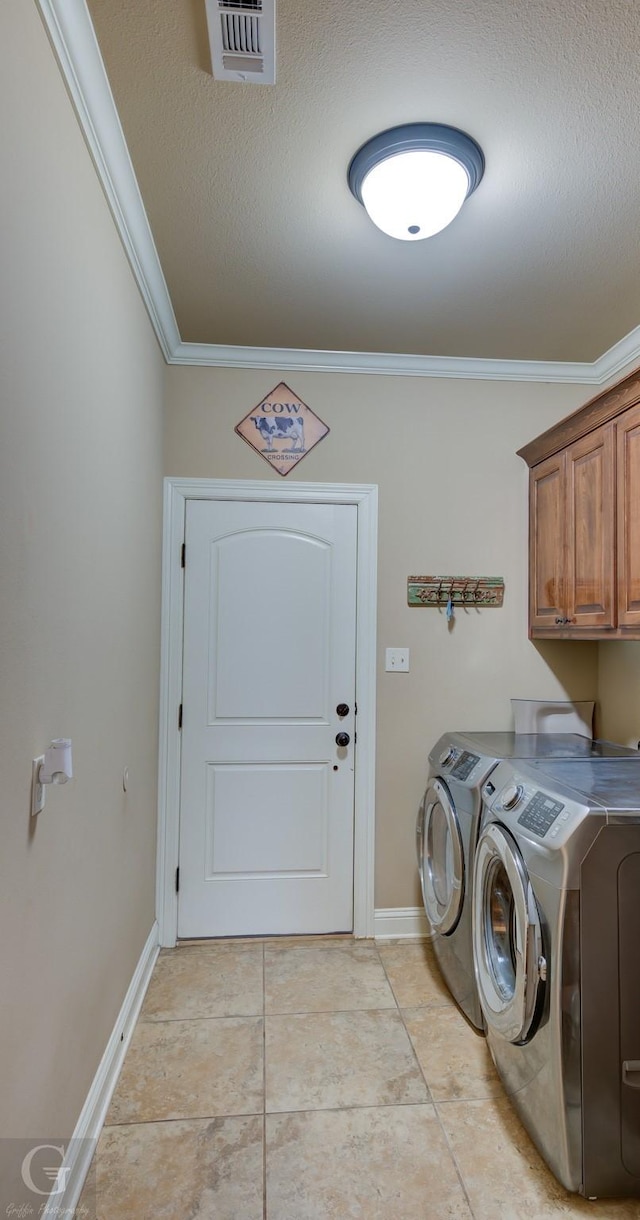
(282, 429)
(269, 427)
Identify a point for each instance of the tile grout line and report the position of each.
(436, 1106)
(293, 1012)
(227, 1016)
(180, 1118)
(369, 1105)
(428, 1088)
(436, 1110)
(204, 1118)
(330, 1012)
(437, 1113)
(414, 1053)
(389, 983)
(362, 1105)
(404, 1025)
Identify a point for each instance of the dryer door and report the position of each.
(507, 938)
(440, 858)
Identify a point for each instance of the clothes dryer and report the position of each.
(556, 914)
(447, 832)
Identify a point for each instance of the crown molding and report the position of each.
(620, 359)
(398, 365)
(74, 42)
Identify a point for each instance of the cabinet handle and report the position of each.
(562, 622)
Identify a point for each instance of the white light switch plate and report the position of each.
(396, 660)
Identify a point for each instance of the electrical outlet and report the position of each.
(396, 660)
(37, 789)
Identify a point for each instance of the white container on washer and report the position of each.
(553, 716)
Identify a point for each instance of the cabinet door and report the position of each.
(628, 478)
(590, 568)
(547, 543)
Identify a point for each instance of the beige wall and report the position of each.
(80, 465)
(453, 500)
(619, 691)
(80, 509)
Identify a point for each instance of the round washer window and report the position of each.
(507, 937)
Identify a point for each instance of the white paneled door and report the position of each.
(267, 793)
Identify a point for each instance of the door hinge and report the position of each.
(178, 880)
(180, 717)
(183, 555)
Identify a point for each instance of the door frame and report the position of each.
(176, 494)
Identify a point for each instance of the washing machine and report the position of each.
(556, 940)
(447, 831)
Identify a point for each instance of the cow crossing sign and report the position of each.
(282, 429)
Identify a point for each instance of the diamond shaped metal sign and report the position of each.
(282, 429)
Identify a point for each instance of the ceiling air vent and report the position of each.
(242, 37)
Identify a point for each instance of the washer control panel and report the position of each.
(512, 796)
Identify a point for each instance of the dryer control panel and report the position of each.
(455, 760)
(464, 765)
(540, 814)
(460, 764)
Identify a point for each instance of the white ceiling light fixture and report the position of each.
(414, 179)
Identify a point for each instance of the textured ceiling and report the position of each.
(245, 187)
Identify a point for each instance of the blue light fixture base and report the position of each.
(434, 137)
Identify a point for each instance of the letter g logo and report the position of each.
(57, 1174)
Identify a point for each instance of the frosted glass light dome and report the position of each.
(414, 179)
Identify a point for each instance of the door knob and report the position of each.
(342, 710)
(342, 739)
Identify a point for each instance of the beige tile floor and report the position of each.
(314, 1079)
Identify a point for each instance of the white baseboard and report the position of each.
(400, 923)
(89, 1125)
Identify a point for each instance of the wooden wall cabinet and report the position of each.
(584, 521)
(628, 520)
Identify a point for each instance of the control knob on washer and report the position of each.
(512, 796)
(447, 756)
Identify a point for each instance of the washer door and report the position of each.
(507, 938)
(440, 858)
